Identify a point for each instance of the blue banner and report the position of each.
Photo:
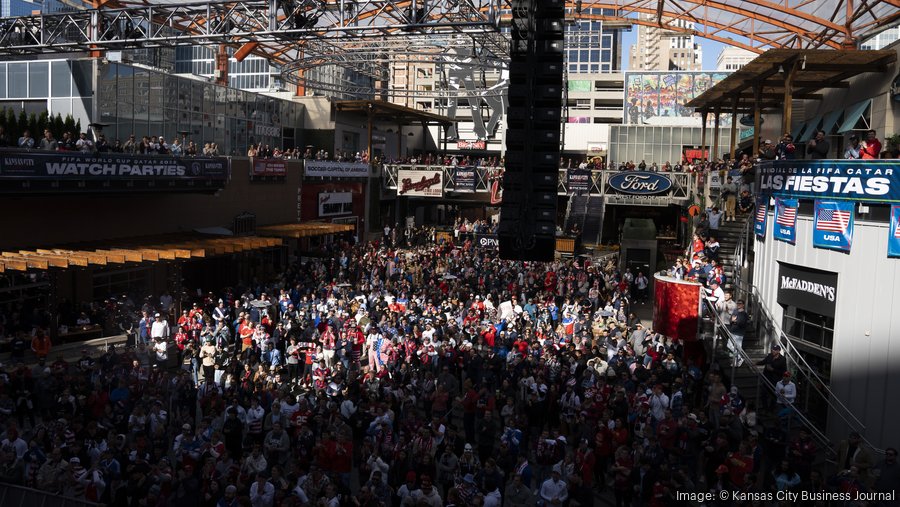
(785, 226)
(833, 225)
(875, 181)
(762, 212)
(464, 179)
(894, 233)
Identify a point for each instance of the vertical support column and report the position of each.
(703, 115)
(222, 66)
(367, 215)
(369, 128)
(757, 98)
(399, 141)
(424, 138)
(734, 121)
(788, 98)
(715, 142)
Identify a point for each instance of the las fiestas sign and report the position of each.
(857, 180)
(108, 166)
(808, 289)
(640, 183)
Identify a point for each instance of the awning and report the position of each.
(810, 129)
(304, 230)
(853, 114)
(137, 250)
(831, 120)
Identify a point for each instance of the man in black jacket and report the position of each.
(818, 148)
(774, 366)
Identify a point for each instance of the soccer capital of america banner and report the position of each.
(833, 227)
(785, 228)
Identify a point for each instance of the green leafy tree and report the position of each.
(23, 124)
(12, 126)
(58, 126)
(43, 122)
(69, 124)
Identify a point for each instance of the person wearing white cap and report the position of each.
(554, 490)
(160, 328)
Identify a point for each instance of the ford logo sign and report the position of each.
(640, 183)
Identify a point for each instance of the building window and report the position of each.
(808, 327)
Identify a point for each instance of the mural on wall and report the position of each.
(650, 96)
(465, 79)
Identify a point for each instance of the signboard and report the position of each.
(715, 180)
(489, 241)
(327, 169)
(578, 181)
(268, 167)
(876, 181)
(471, 145)
(894, 232)
(762, 213)
(420, 183)
(785, 227)
(655, 97)
(464, 179)
(335, 203)
(640, 183)
(809, 289)
(267, 130)
(833, 225)
(109, 166)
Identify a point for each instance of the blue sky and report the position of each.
(711, 49)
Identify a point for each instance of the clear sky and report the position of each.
(711, 49)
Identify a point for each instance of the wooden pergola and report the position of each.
(132, 251)
(774, 79)
(305, 230)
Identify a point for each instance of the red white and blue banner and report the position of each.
(875, 181)
(833, 225)
(785, 227)
(762, 213)
(894, 233)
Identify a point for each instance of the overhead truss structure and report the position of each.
(367, 36)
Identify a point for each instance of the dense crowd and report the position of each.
(397, 374)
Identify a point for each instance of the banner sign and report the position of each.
(470, 145)
(785, 228)
(809, 289)
(324, 168)
(894, 232)
(762, 214)
(578, 181)
(487, 241)
(335, 203)
(833, 226)
(420, 183)
(876, 181)
(268, 167)
(464, 179)
(640, 183)
(109, 166)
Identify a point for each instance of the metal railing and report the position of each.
(720, 328)
(20, 496)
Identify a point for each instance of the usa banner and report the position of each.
(762, 212)
(894, 233)
(785, 228)
(833, 226)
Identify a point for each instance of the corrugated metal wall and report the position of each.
(866, 355)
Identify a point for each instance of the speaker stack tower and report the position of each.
(528, 212)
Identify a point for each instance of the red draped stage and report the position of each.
(677, 312)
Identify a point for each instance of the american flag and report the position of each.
(787, 216)
(832, 220)
(761, 212)
(897, 229)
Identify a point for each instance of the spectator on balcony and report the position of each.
(131, 146)
(48, 143)
(818, 148)
(145, 148)
(191, 149)
(213, 150)
(767, 151)
(871, 148)
(176, 148)
(102, 144)
(26, 141)
(786, 149)
(67, 143)
(83, 144)
(4, 139)
(854, 151)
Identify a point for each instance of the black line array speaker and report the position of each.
(528, 212)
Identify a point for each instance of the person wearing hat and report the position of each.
(408, 487)
(774, 365)
(786, 391)
(159, 330)
(767, 151)
(554, 490)
(854, 149)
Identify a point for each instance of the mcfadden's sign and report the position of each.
(109, 166)
(808, 289)
(857, 180)
(420, 183)
(640, 183)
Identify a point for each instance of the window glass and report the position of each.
(82, 76)
(61, 79)
(38, 79)
(2, 80)
(18, 80)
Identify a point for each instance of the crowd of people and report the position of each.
(425, 374)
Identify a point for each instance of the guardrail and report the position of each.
(19, 496)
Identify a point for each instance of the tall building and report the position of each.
(593, 46)
(666, 48)
(732, 58)
(882, 39)
(253, 74)
(26, 7)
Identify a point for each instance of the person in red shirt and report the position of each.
(871, 148)
(739, 465)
